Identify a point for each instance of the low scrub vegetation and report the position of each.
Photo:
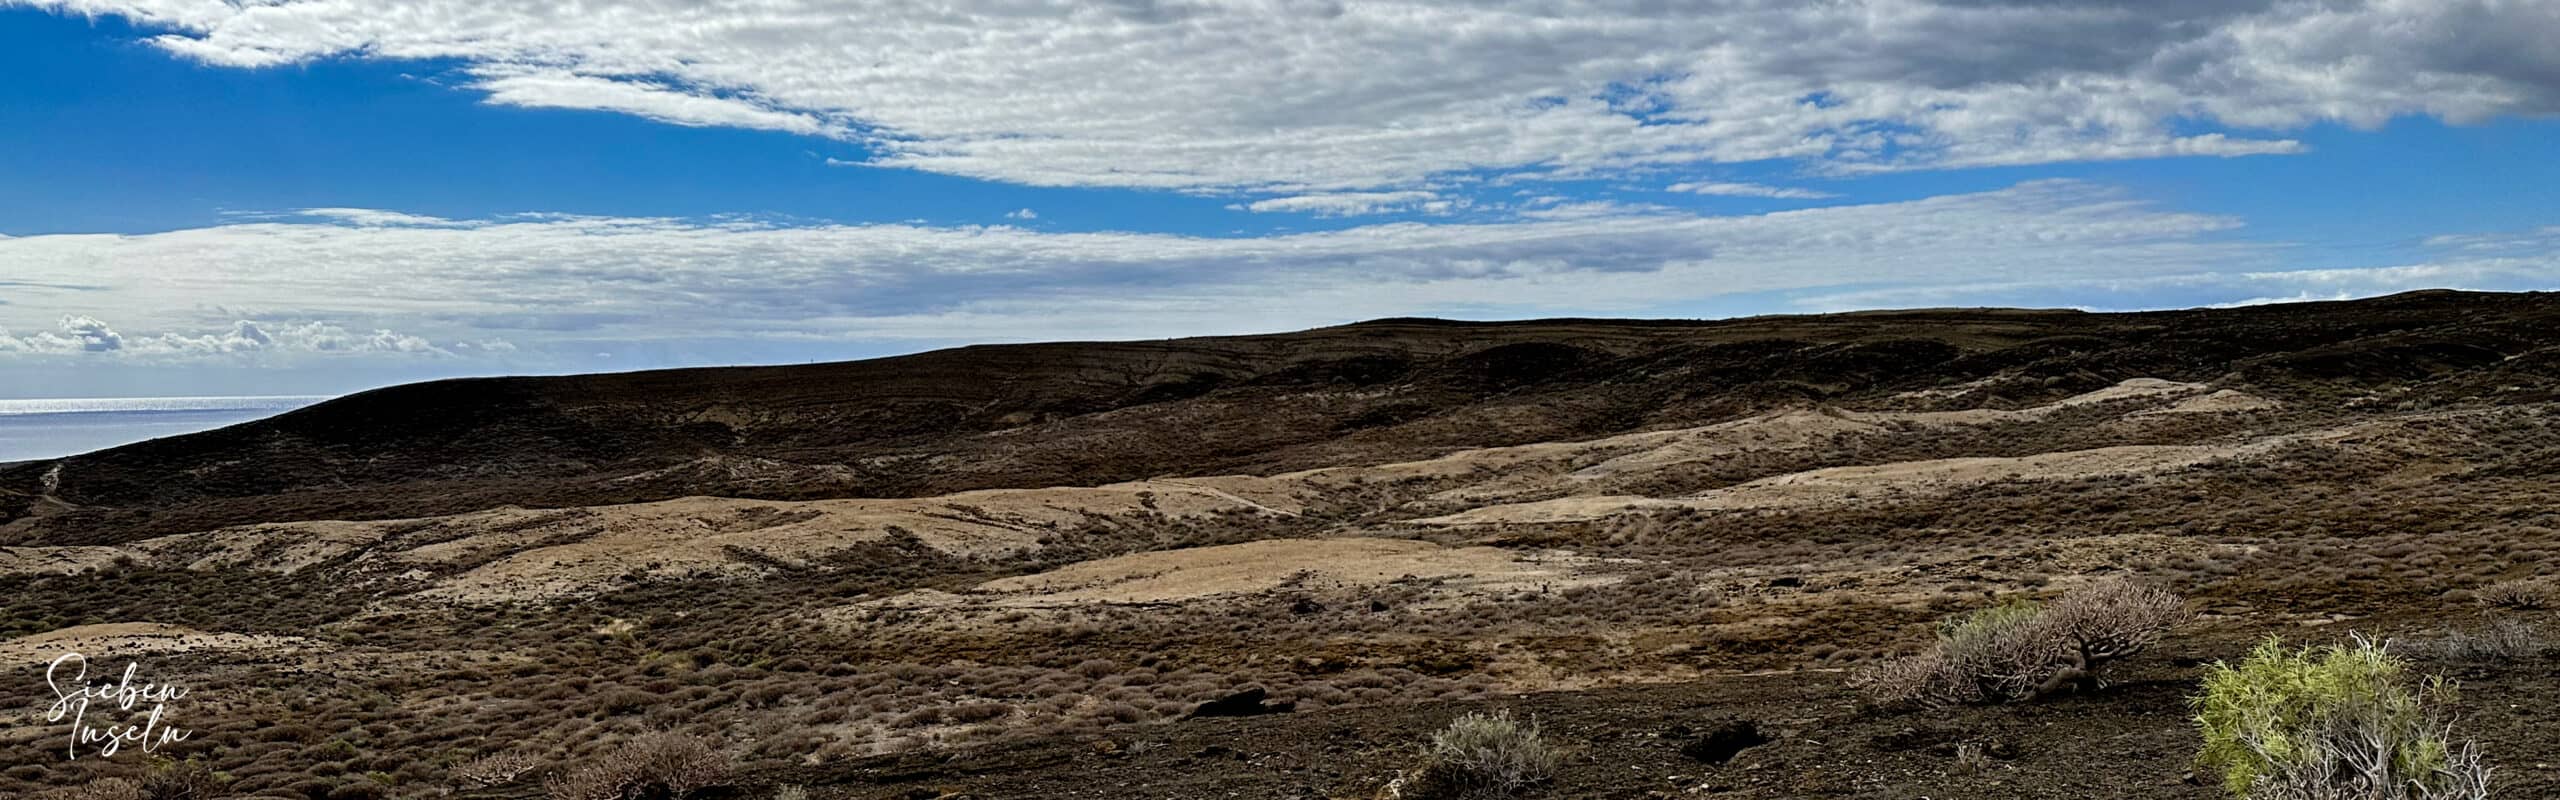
(1483, 757)
(2340, 722)
(2022, 650)
(2499, 641)
(663, 766)
(101, 789)
(2527, 595)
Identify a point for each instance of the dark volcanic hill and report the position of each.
(1053, 571)
(1085, 413)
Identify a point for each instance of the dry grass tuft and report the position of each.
(1484, 757)
(2531, 594)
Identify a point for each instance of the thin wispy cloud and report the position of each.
(1738, 189)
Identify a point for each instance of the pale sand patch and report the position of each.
(2128, 389)
(1174, 576)
(2227, 401)
(56, 560)
(287, 547)
(1802, 428)
(509, 554)
(701, 537)
(122, 640)
(1789, 429)
(1871, 483)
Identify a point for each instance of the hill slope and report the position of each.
(1016, 571)
(1087, 413)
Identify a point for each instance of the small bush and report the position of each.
(2500, 641)
(185, 780)
(1484, 757)
(2021, 650)
(2529, 595)
(662, 765)
(101, 789)
(497, 769)
(2342, 722)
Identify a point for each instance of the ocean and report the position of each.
(55, 427)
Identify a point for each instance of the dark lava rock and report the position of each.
(1916, 738)
(1250, 702)
(1724, 740)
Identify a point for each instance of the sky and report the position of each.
(268, 197)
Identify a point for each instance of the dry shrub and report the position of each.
(659, 765)
(1484, 757)
(496, 769)
(2499, 641)
(100, 789)
(185, 780)
(2529, 594)
(2021, 650)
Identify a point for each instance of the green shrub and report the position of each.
(1484, 757)
(2342, 722)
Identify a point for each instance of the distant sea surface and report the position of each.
(51, 428)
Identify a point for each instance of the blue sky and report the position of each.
(316, 196)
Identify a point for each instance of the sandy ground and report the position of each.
(1176, 575)
(124, 640)
(515, 554)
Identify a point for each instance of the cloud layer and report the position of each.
(82, 334)
(544, 285)
(1307, 97)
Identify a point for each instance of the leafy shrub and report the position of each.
(2341, 722)
(2021, 650)
(660, 765)
(1484, 757)
(2528, 595)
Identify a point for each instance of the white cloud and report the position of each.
(2538, 239)
(1311, 97)
(1348, 204)
(2536, 269)
(79, 334)
(1025, 214)
(681, 105)
(372, 217)
(558, 285)
(1728, 189)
